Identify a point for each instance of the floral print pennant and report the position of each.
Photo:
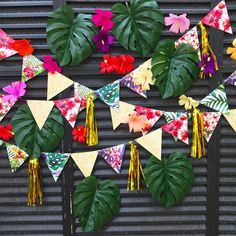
(231, 79)
(5, 106)
(113, 156)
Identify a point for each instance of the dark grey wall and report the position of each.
(210, 207)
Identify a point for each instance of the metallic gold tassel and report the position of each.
(208, 59)
(135, 169)
(91, 131)
(198, 148)
(35, 188)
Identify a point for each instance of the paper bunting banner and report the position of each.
(118, 116)
(170, 116)
(16, 156)
(152, 142)
(56, 162)
(231, 79)
(110, 94)
(231, 118)
(57, 83)
(69, 108)
(5, 49)
(211, 120)
(31, 67)
(217, 100)
(218, 18)
(40, 110)
(85, 161)
(178, 128)
(5, 107)
(113, 156)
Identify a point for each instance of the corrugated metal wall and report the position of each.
(139, 215)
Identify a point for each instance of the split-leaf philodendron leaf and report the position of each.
(70, 37)
(170, 179)
(174, 69)
(138, 25)
(95, 203)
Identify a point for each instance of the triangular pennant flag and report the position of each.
(110, 94)
(16, 156)
(57, 83)
(231, 118)
(118, 116)
(5, 107)
(85, 161)
(152, 142)
(217, 100)
(231, 79)
(31, 67)
(178, 128)
(55, 162)
(69, 108)
(218, 18)
(211, 120)
(113, 156)
(5, 49)
(40, 110)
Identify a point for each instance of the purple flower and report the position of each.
(207, 65)
(103, 41)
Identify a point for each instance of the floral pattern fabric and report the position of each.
(31, 67)
(231, 79)
(218, 18)
(211, 120)
(5, 107)
(5, 41)
(178, 128)
(69, 108)
(113, 156)
(56, 162)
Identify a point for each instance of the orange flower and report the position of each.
(137, 123)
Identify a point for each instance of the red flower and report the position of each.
(22, 46)
(29, 72)
(107, 65)
(184, 135)
(177, 124)
(79, 134)
(124, 64)
(6, 132)
(226, 25)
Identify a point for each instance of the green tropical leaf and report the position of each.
(174, 69)
(70, 37)
(168, 180)
(32, 140)
(95, 203)
(138, 26)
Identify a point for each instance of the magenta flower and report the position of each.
(103, 41)
(103, 19)
(50, 64)
(178, 23)
(15, 90)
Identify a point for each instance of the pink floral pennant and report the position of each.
(69, 108)
(218, 18)
(231, 79)
(113, 156)
(5, 106)
(178, 128)
(5, 49)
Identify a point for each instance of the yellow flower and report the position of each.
(188, 102)
(232, 51)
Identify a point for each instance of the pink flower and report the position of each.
(179, 23)
(29, 73)
(50, 64)
(136, 122)
(103, 19)
(15, 90)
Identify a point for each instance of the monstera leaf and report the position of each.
(138, 26)
(70, 37)
(95, 203)
(170, 179)
(32, 140)
(174, 69)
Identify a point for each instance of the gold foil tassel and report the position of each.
(34, 180)
(91, 130)
(135, 169)
(198, 148)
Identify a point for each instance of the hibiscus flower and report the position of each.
(103, 19)
(136, 122)
(79, 134)
(107, 65)
(6, 132)
(103, 41)
(123, 64)
(50, 64)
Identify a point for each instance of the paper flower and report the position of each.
(178, 23)
(232, 50)
(124, 64)
(107, 65)
(6, 132)
(79, 134)
(103, 41)
(188, 102)
(103, 19)
(15, 90)
(22, 46)
(208, 64)
(50, 64)
(136, 122)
